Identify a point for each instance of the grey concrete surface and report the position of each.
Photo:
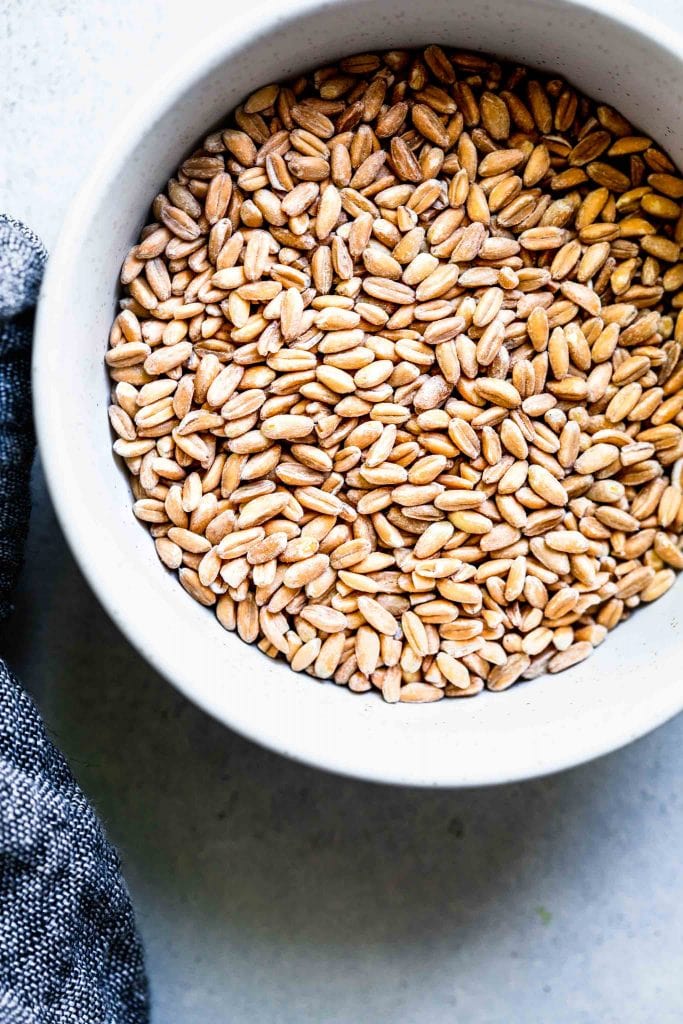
(269, 893)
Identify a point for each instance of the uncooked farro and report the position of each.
(398, 377)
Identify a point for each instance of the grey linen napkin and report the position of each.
(69, 951)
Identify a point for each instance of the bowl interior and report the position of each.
(630, 685)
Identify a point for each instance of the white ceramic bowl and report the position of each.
(632, 684)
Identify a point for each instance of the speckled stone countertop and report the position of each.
(269, 893)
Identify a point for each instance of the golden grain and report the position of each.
(398, 374)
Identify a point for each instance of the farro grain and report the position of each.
(398, 374)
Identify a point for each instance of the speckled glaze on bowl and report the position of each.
(635, 680)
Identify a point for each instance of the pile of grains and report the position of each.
(398, 376)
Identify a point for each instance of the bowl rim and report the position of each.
(201, 60)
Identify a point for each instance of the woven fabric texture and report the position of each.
(69, 950)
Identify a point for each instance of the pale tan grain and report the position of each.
(399, 376)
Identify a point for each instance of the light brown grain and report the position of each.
(398, 373)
